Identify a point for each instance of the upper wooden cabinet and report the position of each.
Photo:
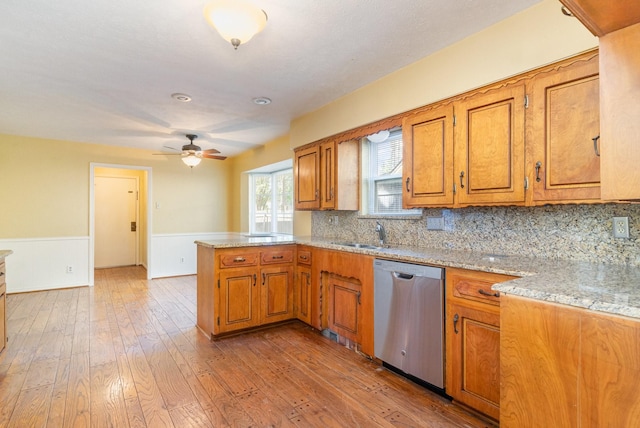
(427, 140)
(603, 17)
(620, 113)
(563, 133)
(306, 173)
(327, 176)
(489, 147)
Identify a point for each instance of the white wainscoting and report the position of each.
(169, 250)
(41, 263)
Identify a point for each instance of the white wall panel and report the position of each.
(41, 263)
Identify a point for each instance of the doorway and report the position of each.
(120, 217)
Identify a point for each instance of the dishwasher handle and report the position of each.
(405, 276)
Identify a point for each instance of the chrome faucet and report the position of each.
(382, 235)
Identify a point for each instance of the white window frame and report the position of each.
(275, 214)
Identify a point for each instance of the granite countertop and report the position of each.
(609, 288)
(5, 253)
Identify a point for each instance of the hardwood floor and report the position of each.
(126, 353)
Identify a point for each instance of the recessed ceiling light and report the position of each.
(181, 97)
(262, 101)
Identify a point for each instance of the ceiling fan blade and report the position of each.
(208, 156)
(171, 148)
(167, 154)
(210, 151)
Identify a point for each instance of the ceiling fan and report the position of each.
(192, 154)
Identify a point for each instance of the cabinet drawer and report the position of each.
(304, 257)
(475, 286)
(230, 260)
(276, 256)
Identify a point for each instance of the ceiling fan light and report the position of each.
(379, 137)
(237, 21)
(191, 160)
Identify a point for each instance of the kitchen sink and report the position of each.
(358, 245)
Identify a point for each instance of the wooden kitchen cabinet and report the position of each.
(619, 113)
(427, 155)
(303, 289)
(3, 306)
(343, 300)
(563, 130)
(241, 288)
(566, 366)
(306, 178)
(603, 17)
(489, 147)
(327, 176)
(473, 339)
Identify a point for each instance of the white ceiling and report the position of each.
(103, 71)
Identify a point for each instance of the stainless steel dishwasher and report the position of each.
(409, 319)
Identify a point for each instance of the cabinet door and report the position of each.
(303, 294)
(344, 314)
(306, 173)
(620, 113)
(328, 169)
(563, 121)
(277, 294)
(239, 300)
(489, 147)
(473, 363)
(539, 355)
(428, 158)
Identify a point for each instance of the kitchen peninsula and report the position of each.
(555, 315)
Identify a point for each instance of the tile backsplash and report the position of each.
(570, 232)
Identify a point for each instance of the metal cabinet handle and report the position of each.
(254, 279)
(263, 278)
(538, 166)
(455, 323)
(239, 260)
(277, 257)
(485, 293)
(407, 183)
(358, 295)
(595, 145)
(304, 257)
(461, 177)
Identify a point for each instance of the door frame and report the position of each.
(92, 214)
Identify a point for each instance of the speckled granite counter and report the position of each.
(5, 253)
(608, 288)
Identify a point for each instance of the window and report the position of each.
(383, 174)
(271, 202)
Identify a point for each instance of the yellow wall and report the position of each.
(44, 190)
(274, 151)
(530, 39)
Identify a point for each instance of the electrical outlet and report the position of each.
(621, 227)
(69, 269)
(435, 223)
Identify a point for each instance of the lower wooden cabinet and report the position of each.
(567, 367)
(344, 314)
(240, 288)
(473, 339)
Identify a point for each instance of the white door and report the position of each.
(115, 221)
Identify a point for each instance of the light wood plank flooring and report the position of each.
(126, 353)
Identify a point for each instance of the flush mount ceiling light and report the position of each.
(237, 21)
(181, 97)
(378, 137)
(262, 101)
